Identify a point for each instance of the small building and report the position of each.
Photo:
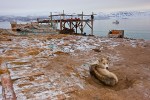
(116, 34)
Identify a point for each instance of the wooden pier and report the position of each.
(70, 22)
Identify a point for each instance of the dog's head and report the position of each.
(103, 63)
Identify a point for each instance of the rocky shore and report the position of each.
(56, 66)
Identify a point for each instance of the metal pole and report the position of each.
(60, 23)
(92, 19)
(82, 23)
(63, 15)
(51, 19)
(71, 22)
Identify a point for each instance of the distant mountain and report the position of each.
(10, 18)
(129, 14)
(99, 16)
(123, 15)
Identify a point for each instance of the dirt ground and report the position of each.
(56, 67)
(133, 74)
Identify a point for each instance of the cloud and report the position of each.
(77, 6)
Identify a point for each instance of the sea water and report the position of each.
(138, 28)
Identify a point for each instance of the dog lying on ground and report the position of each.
(99, 70)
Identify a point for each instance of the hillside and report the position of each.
(56, 67)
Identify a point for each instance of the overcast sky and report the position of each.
(37, 7)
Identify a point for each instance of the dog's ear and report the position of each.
(102, 59)
(107, 58)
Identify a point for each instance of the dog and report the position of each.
(99, 70)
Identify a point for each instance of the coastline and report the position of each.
(133, 28)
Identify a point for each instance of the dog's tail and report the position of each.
(94, 73)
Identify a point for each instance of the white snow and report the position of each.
(51, 84)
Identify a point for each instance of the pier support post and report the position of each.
(92, 19)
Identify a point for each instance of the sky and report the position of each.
(44, 7)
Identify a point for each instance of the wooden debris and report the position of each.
(7, 85)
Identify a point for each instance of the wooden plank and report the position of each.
(7, 85)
